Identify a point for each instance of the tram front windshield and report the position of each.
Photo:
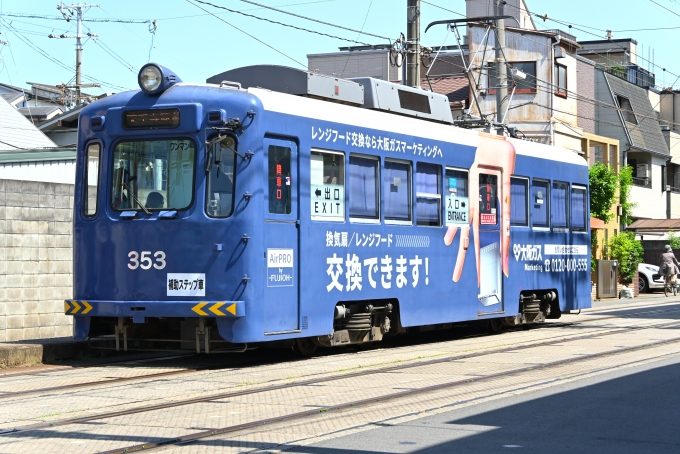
(158, 174)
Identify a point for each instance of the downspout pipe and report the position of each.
(558, 38)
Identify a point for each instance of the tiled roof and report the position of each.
(39, 113)
(655, 224)
(12, 97)
(456, 88)
(647, 133)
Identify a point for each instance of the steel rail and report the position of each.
(100, 382)
(335, 377)
(10, 394)
(384, 398)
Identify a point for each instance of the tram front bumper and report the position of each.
(138, 309)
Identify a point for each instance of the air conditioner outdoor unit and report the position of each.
(642, 171)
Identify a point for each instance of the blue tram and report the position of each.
(277, 205)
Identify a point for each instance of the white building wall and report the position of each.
(47, 171)
(651, 202)
(62, 138)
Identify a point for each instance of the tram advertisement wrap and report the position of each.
(534, 256)
(348, 273)
(490, 173)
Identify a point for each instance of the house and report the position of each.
(629, 112)
(542, 83)
(17, 133)
(14, 99)
(40, 114)
(63, 129)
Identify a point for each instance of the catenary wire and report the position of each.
(29, 43)
(248, 34)
(38, 16)
(249, 9)
(349, 54)
(314, 20)
(280, 23)
(634, 127)
(112, 53)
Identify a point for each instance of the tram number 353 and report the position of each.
(143, 260)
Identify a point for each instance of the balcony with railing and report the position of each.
(563, 34)
(642, 182)
(633, 74)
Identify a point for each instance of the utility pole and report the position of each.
(67, 12)
(501, 66)
(413, 39)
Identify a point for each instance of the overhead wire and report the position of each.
(349, 54)
(549, 89)
(36, 48)
(280, 23)
(667, 9)
(248, 34)
(111, 52)
(313, 20)
(614, 43)
(95, 19)
(652, 114)
(250, 9)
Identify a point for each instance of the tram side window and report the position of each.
(428, 194)
(578, 209)
(364, 187)
(220, 184)
(519, 202)
(279, 180)
(327, 185)
(457, 203)
(397, 191)
(540, 203)
(560, 205)
(91, 180)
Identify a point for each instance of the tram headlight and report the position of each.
(154, 79)
(150, 78)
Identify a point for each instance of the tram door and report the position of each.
(490, 229)
(281, 237)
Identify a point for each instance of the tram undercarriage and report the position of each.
(354, 323)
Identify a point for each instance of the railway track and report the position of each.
(341, 376)
(196, 436)
(119, 380)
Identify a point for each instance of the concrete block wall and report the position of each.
(36, 259)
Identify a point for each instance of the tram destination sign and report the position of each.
(151, 119)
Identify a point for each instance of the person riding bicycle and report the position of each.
(668, 265)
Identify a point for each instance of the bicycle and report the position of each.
(670, 285)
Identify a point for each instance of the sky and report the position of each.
(198, 40)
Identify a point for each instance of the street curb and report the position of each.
(17, 355)
(36, 352)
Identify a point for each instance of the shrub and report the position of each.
(629, 253)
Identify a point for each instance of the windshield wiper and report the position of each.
(134, 197)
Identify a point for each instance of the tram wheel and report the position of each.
(304, 346)
(496, 325)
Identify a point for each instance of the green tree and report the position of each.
(629, 253)
(625, 183)
(603, 186)
(673, 239)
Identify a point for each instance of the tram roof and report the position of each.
(339, 113)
